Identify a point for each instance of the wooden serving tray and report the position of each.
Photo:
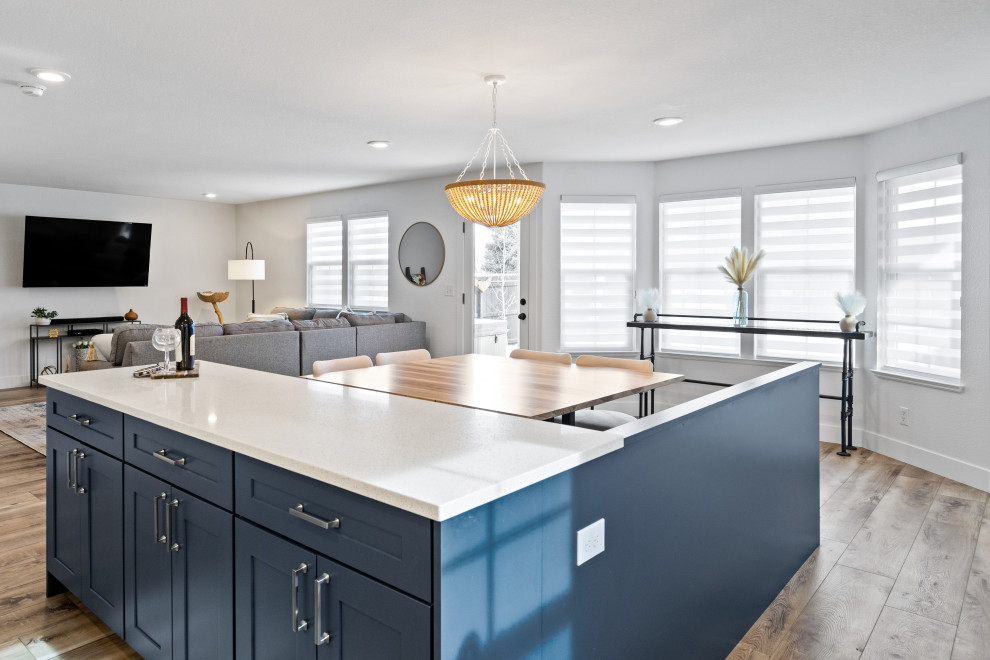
(191, 373)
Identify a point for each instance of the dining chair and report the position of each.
(321, 367)
(541, 356)
(395, 357)
(603, 420)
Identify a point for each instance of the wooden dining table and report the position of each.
(525, 388)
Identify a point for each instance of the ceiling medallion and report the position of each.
(494, 202)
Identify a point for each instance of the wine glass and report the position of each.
(165, 340)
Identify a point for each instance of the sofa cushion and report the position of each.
(125, 334)
(327, 314)
(326, 344)
(320, 324)
(386, 338)
(296, 313)
(256, 327)
(208, 329)
(368, 319)
(253, 318)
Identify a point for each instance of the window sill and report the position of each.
(918, 380)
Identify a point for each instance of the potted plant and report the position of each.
(42, 316)
(81, 350)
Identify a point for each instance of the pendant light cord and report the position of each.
(494, 138)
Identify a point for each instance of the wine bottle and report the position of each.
(187, 332)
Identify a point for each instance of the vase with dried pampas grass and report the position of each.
(738, 269)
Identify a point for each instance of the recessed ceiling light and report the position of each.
(50, 75)
(379, 144)
(210, 195)
(668, 121)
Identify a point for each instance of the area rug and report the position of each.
(26, 424)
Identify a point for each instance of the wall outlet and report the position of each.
(590, 541)
(905, 416)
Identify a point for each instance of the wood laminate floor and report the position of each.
(903, 570)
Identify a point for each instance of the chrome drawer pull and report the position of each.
(297, 625)
(298, 512)
(174, 504)
(159, 538)
(171, 461)
(69, 481)
(78, 457)
(80, 422)
(319, 637)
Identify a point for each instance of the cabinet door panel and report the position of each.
(367, 620)
(64, 506)
(264, 564)
(147, 568)
(202, 579)
(101, 482)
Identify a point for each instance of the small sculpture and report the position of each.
(131, 315)
(214, 297)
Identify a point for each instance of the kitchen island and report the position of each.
(250, 515)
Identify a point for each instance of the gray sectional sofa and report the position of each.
(282, 347)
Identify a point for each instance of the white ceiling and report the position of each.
(258, 99)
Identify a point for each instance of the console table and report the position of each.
(36, 337)
(767, 326)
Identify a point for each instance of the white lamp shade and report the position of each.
(245, 269)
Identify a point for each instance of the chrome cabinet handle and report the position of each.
(160, 454)
(78, 457)
(297, 625)
(174, 504)
(80, 422)
(159, 538)
(319, 637)
(69, 482)
(298, 512)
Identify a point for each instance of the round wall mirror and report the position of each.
(421, 253)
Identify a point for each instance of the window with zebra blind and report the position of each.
(808, 232)
(356, 277)
(597, 273)
(920, 316)
(696, 233)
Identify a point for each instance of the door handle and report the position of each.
(76, 458)
(80, 422)
(69, 481)
(159, 538)
(160, 454)
(174, 504)
(521, 316)
(298, 512)
(319, 636)
(297, 625)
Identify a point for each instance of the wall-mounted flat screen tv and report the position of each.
(62, 252)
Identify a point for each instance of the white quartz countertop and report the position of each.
(432, 459)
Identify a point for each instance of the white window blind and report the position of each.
(920, 320)
(367, 260)
(325, 263)
(695, 237)
(597, 270)
(809, 236)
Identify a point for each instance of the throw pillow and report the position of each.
(208, 329)
(326, 314)
(320, 324)
(295, 313)
(368, 319)
(102, 345)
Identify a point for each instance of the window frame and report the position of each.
(345, 261)
(884, 179)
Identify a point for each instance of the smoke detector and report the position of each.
(32, 90)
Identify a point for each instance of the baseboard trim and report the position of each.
(9, 382)
(926, 459)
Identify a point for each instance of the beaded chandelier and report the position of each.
(494, 202)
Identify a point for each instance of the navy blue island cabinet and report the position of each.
(190, 551)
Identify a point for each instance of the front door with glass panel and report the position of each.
(499, 324)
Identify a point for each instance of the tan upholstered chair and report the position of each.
(603, 420)
(523, 354)
(321, 367)
(415, 355)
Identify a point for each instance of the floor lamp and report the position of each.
(247, 269)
